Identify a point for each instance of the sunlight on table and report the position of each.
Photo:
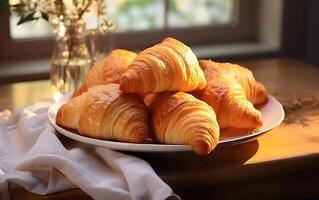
(21, 94)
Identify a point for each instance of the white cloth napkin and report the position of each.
(32, 156)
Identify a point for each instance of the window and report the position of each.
(141, 23)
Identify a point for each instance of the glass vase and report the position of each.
(70, 59)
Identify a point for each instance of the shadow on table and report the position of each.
(185, 162)
(221, 157)
(183, 169)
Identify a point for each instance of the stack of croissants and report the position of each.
(164, 95)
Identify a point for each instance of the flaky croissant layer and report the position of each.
(108, 70)
(180, 118)
(105, 112)
(168, 66)
(232, 91)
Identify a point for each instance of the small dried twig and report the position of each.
(292, 106)
(298, 104)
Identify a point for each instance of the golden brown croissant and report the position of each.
(105, 112)
(180, 118)
(150, 98)
(168, 66)
(229, 89)
(107, 70)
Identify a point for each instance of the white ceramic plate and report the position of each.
(272, 112)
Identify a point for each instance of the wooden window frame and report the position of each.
(243, 29)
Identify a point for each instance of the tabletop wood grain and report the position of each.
(280, 164)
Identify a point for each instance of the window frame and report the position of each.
(243, 29)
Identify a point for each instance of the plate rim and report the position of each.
(125, 146)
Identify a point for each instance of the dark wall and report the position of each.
(2, 4)
(312, 33)
(293, 31)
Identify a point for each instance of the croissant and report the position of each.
(232, 90)
(105, 112)
(108, 70)
(180, 118)
(150, 98)
(254, 90)
(168, 66)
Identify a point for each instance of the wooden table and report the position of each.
(283, 163)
